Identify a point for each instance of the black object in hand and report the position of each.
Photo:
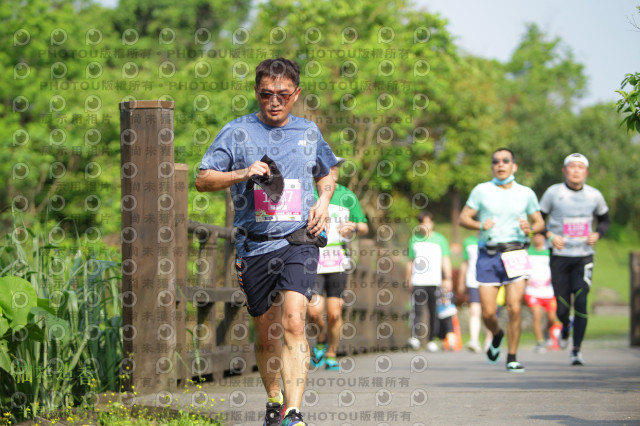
(272, 184)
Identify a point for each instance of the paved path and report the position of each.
(461, 388)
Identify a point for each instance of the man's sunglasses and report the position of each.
(282, 98)
(504, 160)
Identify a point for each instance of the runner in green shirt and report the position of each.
(428, 271)
(346, 221)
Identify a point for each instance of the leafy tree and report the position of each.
(630, 102)
(60, 111)
(384, 82)
(390, 93)
(613, 161)
(542, 84)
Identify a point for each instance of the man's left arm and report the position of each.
(603, 226)
(537, 223)
(447, 274)
(319, 213)
(534, 215)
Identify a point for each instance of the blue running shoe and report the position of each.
(493, 353)
(294, 418)
(318, 355)
(332, 364)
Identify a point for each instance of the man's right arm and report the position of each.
(214, 180)
(546, 205)
(466, 218)
(462, 277)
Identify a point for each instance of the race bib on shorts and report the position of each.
(288, 209)
(516, 263)
(576, 227)
(332, 259)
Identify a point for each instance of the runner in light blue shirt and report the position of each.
(504, 209)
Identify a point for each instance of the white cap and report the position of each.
(576, 157)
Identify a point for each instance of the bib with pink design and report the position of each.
(289, 208)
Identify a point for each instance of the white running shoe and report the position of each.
(576, 358)
(432, 347)
(474, 346)
(414, 343)
(515, 367)
(540, 348)
(563, 341)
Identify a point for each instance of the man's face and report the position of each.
(502, 165)
(575, 172)
(275, 109)
(427, 224)
(538, 240)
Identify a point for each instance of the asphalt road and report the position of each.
(447, 388)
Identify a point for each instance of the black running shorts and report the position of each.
(333, 284)
(261, 277)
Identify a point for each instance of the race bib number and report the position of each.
(288, 209)
(331, 260)
(576, 227)
(516, 263)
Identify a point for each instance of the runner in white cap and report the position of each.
(571, 207)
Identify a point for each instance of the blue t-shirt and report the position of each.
(301, 154)
(505, 207)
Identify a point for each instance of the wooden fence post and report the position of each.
(634, 263)
(148, 242)
(181, 254)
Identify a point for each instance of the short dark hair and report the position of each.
(513, 156)
(423, 215)
(278, 68)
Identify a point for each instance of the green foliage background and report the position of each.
(385, 82)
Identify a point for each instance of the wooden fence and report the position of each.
(634, 266)
(182, 307)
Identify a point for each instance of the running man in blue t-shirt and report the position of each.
(276, 276)
(504, 209)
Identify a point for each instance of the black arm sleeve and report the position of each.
(603, 224)
(544, 218)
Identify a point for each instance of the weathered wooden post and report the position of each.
(634, 263)
(148, 243)
(181, 255)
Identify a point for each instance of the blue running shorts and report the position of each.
(490, 270)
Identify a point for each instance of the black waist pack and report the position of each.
(303, 236)
(495, 248)
(297, 238)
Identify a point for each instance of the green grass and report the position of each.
(611, 267)
(608, 327)
(599, 327)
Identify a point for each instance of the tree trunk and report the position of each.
(455, 215)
